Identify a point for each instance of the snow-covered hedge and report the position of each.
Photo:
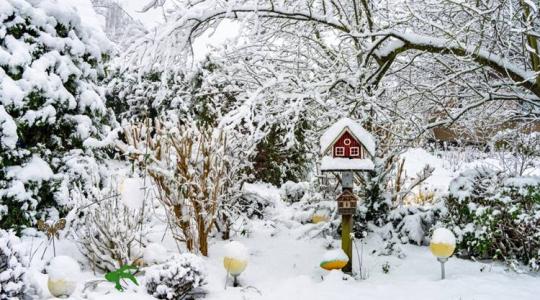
(495, 216)
(51, 109)
(176, 279)
(413, 223)
(12, 285)
(294, 191)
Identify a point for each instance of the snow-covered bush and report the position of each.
(136, 97)
(189, 167)
(495, 216)
(251, 205)
(51, 107)
(518, 150)
(176, 279)
(276, 161)
(413, 223)
(12, 285)
(196, 95)
(110, 232)
(294, 191)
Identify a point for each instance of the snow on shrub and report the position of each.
(110, 232)
(176, 279)
(413, 223)
(495, 216)
(12, 285)
(51, 107)
(293, 192)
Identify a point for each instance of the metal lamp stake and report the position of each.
(442, 261)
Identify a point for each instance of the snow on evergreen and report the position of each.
(51, 103)
(12, 270)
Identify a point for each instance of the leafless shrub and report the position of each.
(188, 165)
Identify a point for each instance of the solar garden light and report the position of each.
(235, 260)
(63, 272)
(335, 259)
(442, 245)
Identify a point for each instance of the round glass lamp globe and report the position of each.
(443, 243)
(63, 272)
(235, 258)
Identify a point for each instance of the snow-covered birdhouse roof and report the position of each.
(332, 134)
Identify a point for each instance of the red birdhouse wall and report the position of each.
(347, 146)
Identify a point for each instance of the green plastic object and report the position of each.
(120, 274)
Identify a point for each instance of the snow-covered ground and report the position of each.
(284, 265)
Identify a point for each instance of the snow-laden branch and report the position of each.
(404, 41)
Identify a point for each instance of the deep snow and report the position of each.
(283, 266)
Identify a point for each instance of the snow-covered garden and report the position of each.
(291, 149)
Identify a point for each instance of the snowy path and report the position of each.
(283, 267)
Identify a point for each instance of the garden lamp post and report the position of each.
(235, 260)
(442, 245)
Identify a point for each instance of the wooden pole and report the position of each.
(346, 222)
(346, 241)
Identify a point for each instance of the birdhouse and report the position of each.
(346, 203)
(347, 146)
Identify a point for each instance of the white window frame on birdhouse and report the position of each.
(340, 149)
(347, 142)
(355, 151)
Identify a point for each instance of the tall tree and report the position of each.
(438, 61)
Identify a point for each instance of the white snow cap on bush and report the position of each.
(34, 170)
(63, 267)
(443, 236)
(132, 192)
(236, 250)
(335, 254)
(176, 278)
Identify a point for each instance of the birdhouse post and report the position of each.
(347, 148)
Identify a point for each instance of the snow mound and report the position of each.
(62, 267)
(443, 236)
(132, 192)
(155, 254)
(266, 191)
(335, 131)
(415, 161)
(236, 250)
(522, 181)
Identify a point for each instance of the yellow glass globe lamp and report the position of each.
(442, 246)
(235, 259)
